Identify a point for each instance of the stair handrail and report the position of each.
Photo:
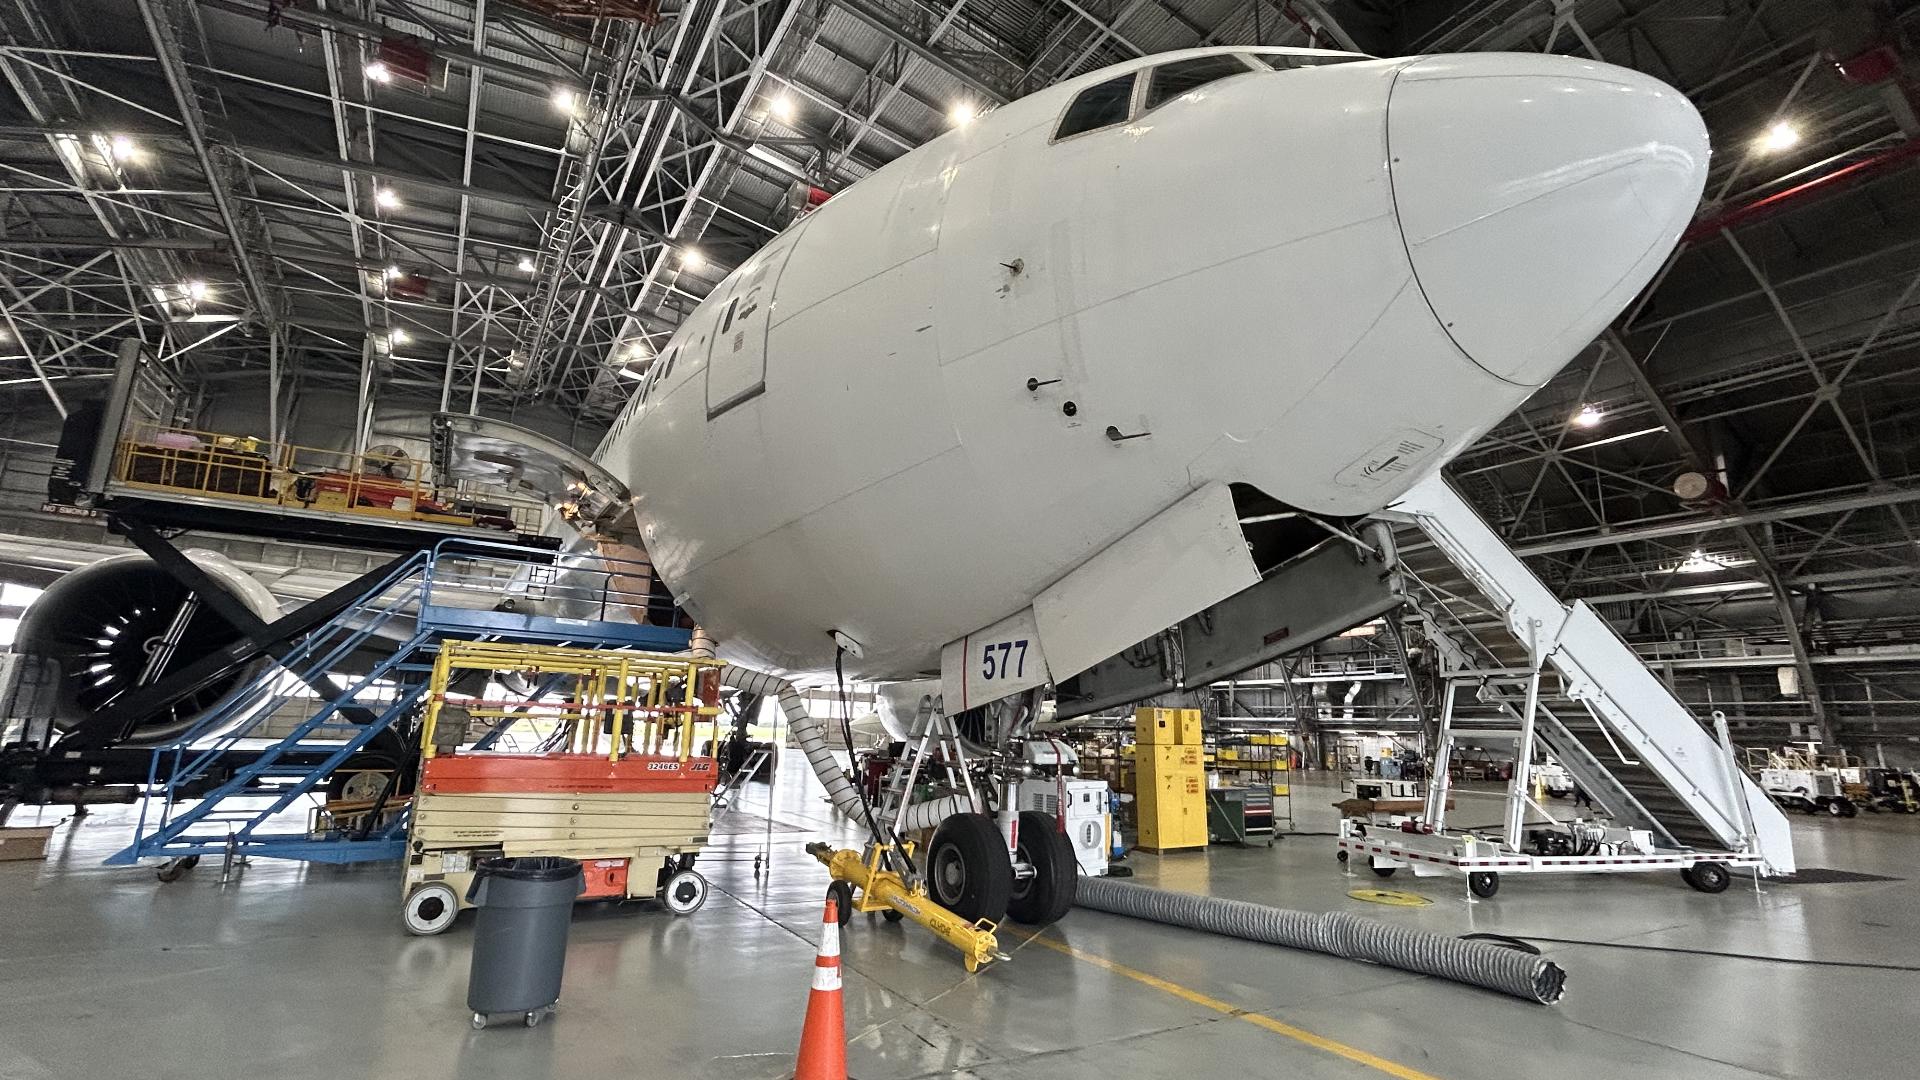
(144, 842)
(281, 674)
(1460, 533)
(263, 688)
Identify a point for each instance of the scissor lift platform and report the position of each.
(624, 793)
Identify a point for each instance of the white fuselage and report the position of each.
(1320, 282)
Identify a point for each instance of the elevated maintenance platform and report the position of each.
(183, 478)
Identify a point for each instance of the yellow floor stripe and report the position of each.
(1318, 1042)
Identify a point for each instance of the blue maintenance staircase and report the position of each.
(446, 592)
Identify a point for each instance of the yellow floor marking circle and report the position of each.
(1390, 897)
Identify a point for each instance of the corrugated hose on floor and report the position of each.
(1476, 963)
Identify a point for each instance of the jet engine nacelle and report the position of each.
(123, 622)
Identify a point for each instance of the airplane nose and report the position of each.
(1537, 195)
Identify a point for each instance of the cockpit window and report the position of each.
(1100, 106)
(1184, 76)
(1289, 61)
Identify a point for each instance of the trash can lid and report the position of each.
(531, 868)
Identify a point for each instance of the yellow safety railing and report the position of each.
(640, 701)
(248, 469)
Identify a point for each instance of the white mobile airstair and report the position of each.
(1566, 680)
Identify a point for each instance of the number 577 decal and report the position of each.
(1006, 660)
(994, 662)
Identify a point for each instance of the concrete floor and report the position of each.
(296, 972)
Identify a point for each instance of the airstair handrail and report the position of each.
(1606, 676)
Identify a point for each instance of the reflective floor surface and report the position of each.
(294, 972)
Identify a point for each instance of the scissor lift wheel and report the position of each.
(684, 892)
(430, 909)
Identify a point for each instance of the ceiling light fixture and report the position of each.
(1588, 416)
(691, 259)
(1781, 136)
(125, 149)
(397, 336)
(784, 109)
(1706, 562)
(386, 199)
(566, 99)
(962, 113)
(393, 272)
(195, 290)
(379, 72)
(526, 265)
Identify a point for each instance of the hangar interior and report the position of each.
(322, 323)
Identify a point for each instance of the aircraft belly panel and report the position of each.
(1191, 555)
(903, 592)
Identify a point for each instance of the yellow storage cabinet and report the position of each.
(1170, 794)
(1167, 727)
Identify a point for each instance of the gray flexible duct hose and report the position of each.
(810, 732)
(929, 814)
(1336, 933)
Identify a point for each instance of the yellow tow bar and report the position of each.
(885, 890)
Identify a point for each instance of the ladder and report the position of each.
(723, 795)
(1567, 679)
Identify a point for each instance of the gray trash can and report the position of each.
(520, 935)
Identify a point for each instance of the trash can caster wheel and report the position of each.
(684, 892)
(533, 1018)
(479, 1022)
(430, 909)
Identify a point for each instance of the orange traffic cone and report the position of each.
(823, 1038)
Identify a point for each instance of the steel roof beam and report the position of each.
(888, 28)
(1659, 529)
(1763, 561)
(168, 46)
(335, 23)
